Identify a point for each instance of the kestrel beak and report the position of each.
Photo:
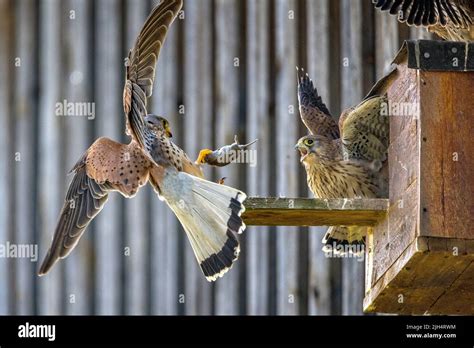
(303, 151)
(202, 156)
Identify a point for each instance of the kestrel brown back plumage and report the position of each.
(452, 20)
(209, 212)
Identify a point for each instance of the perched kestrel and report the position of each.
(452, 20)
(347, 166)
(209, 212)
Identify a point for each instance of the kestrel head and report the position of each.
(312, 147)
(158, 124)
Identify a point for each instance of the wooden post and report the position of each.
(109, 82)
(258, 100)
(78, 85)
(51, 177)
(352, 92)
(320, 41)
(6, 154)
(286, 133)
(228, 70)
(24, 148)
(198, 103)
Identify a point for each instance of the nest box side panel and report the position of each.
(447, 160)
(391, 237)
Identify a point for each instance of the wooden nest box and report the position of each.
(420, 244)
(420, 258)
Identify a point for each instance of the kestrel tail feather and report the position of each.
(210, 215)
(344, 239)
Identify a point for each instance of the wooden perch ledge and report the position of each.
(275, 211)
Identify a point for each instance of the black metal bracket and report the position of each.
(434, 55)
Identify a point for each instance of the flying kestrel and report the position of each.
(209, 212)
(452, 20)
(345, 166)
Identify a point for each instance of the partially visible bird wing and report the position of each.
(106, 166)
(365, 130)
(141, 63)
(314, 113)
(429, 12)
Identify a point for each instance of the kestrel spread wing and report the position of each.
(450, 19)
(105, 167)
(209, 212)
(140, 66)
(314, 113)
(365, 130)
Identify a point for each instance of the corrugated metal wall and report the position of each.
(228, 67)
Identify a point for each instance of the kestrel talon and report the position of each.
(209, 212)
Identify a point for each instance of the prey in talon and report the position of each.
(224, 155)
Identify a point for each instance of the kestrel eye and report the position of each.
(309, 142)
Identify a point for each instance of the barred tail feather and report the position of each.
(210, 215)
(343, 239)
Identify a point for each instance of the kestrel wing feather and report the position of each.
(141, 64)
(314, 113)
(430, 12)
(365, 130)
(84, 200)
(106, 166)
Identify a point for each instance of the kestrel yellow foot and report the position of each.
(224, 155)
(202, 156)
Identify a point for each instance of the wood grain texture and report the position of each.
(428, 278)
(6, 157)
(50, 172)
(227, 72)
(446, 163)
(352, 73)
(77, 89)
(286, 167)
(258, 127)
(420, 258)
(109, 250)
(198, 103)
(314, 212)
(24, 147)
(398, 231)
(320, 40)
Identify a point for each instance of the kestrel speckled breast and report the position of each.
(209, 212)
